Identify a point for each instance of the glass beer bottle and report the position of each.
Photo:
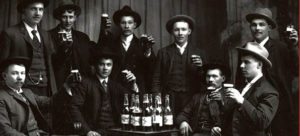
(147, 114)
(168, 115)
(125, 114)
(132, 107)
(157, 114)
(137, 113)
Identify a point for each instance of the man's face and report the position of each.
(214, 78)
(14, 76)
(250, 66)
(260, 29)
(104, 67)
(181, 32)
(33, 13)
(68, 19)
(127, 25)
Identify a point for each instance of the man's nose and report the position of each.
(242, 65)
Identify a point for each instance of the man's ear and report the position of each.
(134, 24)
(3, 75)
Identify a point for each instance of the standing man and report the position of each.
(97, 102)
(136, 54)
(251, 109)
(178, 66)
(203, 116)
(284, 58)
(72, 48)
(28, 40)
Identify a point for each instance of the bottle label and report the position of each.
(168, 119)
(136, 121)
(147, 121)
(125, 118)
(157, 119)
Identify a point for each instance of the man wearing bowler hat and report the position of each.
(203, 115)
(284, 58)
(135, 53)
(72, 48)
(97, 102)
(178, 66)
(29, 40)
(251, 107)
(20, 113)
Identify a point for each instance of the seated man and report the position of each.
(20, 108)
(251, 109)
(202, 116)
(96, 103)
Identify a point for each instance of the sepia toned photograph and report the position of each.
(149, 67)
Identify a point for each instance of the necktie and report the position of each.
(104, 84)
(35, 38)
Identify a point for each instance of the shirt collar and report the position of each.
(263, 42)
(181, 48)
(29, 28)
(15, 90)
(128, 38)
(102, 79)
(255, 78)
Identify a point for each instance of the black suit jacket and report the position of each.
(86, 101)
(133, 60)
(79, 53)
(254, 116)
(15, 41)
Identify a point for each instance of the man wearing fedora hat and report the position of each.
(178, 66)
(29, 40)
(20, 113)
(284, 58)
(97, 102)
(135, 53)
(251, 107)
(72, 48)
(203, 114)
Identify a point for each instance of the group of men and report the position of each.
(36, 71)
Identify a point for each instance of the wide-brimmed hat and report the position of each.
(262, 13)
(127, 11)
(66, 5)
(177, 18)
(24, 3)
(103, 52)
(217, 64)
(258, 51)
(15, 60)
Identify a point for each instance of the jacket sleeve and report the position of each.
(5, 123)
(262, 114)
(187, 113)
(5, 42)
(76, 103)
(156, 77)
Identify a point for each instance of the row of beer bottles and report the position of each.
(147, 117)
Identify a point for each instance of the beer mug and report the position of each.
(76, 77)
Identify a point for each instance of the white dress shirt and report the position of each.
(181, 48)
(126, 41)
(29, 30)
(249, 84)
(263, 42)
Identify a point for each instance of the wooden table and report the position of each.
(120, 132)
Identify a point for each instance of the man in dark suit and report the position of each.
(20, 108)
(178, 66)
(203, 115)
(97, 102)
(251, 109)
(72, 48)
(285, 60)
(28, 40)
(136, 54)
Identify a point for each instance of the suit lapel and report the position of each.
(15, 95)
(25, 34)
(253, 88)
